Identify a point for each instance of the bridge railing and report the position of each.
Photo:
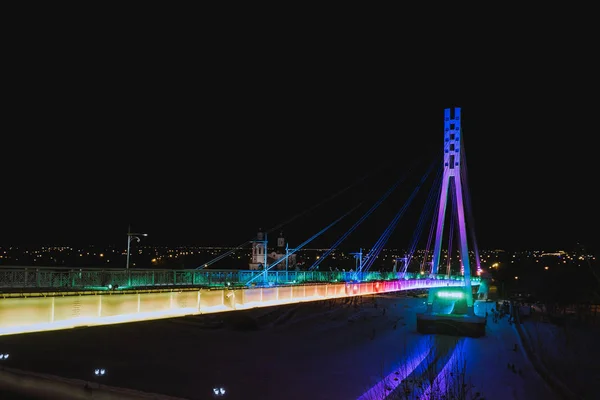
(90, 279)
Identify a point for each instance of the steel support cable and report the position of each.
(268, 268)
(467, 193)
(312, 208)
(357, 223)
(383, 238)
(453, 218)
(288, 221)
(425, 213)
(424, 216)
(372, 256)
(431, 230)
(428, 246)
(374, 253)
(223, 255)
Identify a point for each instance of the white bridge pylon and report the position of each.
(452, 185)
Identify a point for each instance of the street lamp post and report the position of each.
(288, 252)
(358, 264)
(131, 236)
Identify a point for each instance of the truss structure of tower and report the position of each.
(452, 180)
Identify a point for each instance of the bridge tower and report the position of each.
(452, 185)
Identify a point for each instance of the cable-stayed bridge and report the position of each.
(39, 299)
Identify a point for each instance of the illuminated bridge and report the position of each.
(40, 299)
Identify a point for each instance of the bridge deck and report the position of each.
(36, 310)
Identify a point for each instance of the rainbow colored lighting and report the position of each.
(452, 183)
(55, 311)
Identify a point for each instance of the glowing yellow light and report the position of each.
(36, 314)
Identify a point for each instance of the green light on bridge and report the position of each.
(450, 295)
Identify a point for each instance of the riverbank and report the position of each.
(333, 349)
(568, 355)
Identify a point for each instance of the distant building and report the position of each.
(260, 248)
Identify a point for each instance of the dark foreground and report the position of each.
(5, 395)
(270, 353)
(324, 350)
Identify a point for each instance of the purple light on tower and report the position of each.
(452, 179)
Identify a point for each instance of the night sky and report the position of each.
(203, 146)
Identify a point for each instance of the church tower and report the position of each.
(259, 251)
(281, 244)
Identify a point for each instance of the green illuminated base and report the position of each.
(451, 324)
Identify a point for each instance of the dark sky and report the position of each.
(201, 142)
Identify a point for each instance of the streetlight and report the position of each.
(131, 236)
(287, 255)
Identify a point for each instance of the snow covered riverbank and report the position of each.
(335, 349)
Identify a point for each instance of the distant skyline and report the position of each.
(210, 161)
(184, 247)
